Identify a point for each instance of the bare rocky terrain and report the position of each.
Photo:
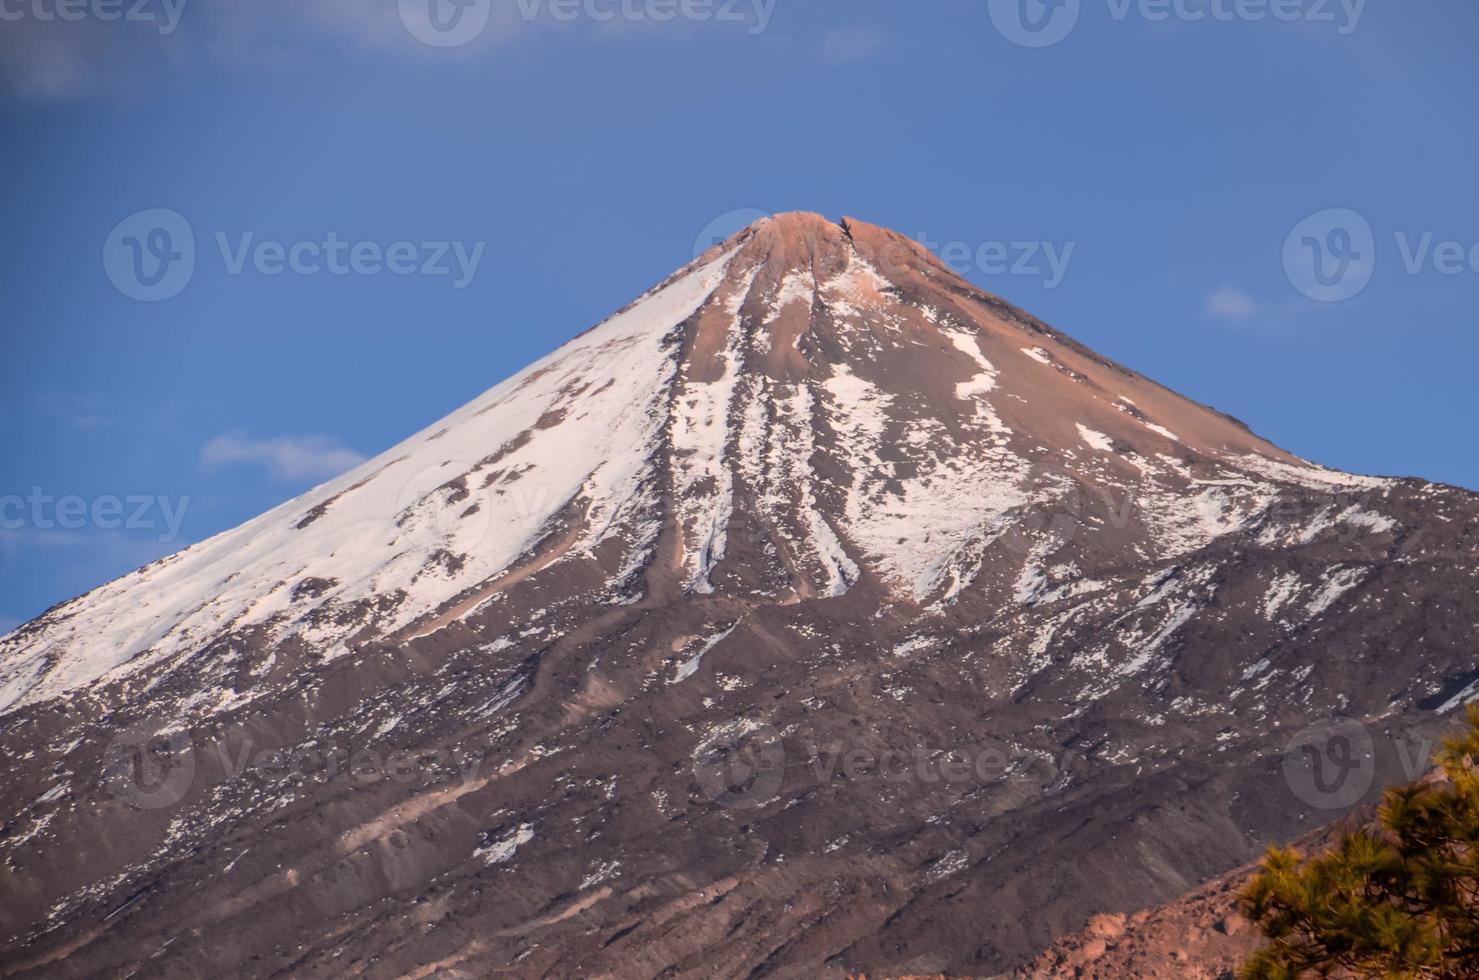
(817, 614)
(1202, 935)
(1199, 936)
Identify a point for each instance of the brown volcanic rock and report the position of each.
(818, 613)
(1200, 936)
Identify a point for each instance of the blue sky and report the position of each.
(1163, 160)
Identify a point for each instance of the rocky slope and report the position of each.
(1202, 935)
(816, 613)
(1199, 937)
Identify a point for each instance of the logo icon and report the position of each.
(1330, 765)
(1331, 255)
(147, 768)
(445, 23)
(1034, 23)
(150, 255)
(1052, 518)
(447, 506)
(742, 770)
(725, 227)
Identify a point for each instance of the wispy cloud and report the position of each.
(284, 457)
(8, 623)
(81, 411)
(52, 59)
(1230, 303)
(844, 45)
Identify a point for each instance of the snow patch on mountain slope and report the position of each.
(1281, 591)
(1030, 585)
(1336, 583)
(1309, 474)
(581, 422)
(1182, 522)
(689, 667)
(775, 460)
(841, 570)
(1096, 440)
(985, 380)
(1322, 522)
(1373, 522)
(700, 435)
(1469, 693)
(858, 285)
(794, 288)
(912, 527)
(1152, 644)
(503, 849)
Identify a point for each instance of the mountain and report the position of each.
(815, 613)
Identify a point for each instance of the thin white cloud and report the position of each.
(8, 623)
(79, 410)
(1229, 303)
(284, 457)
(47, 60)
(845, 45)
(51, 59)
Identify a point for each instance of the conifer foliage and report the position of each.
(1396, 900)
